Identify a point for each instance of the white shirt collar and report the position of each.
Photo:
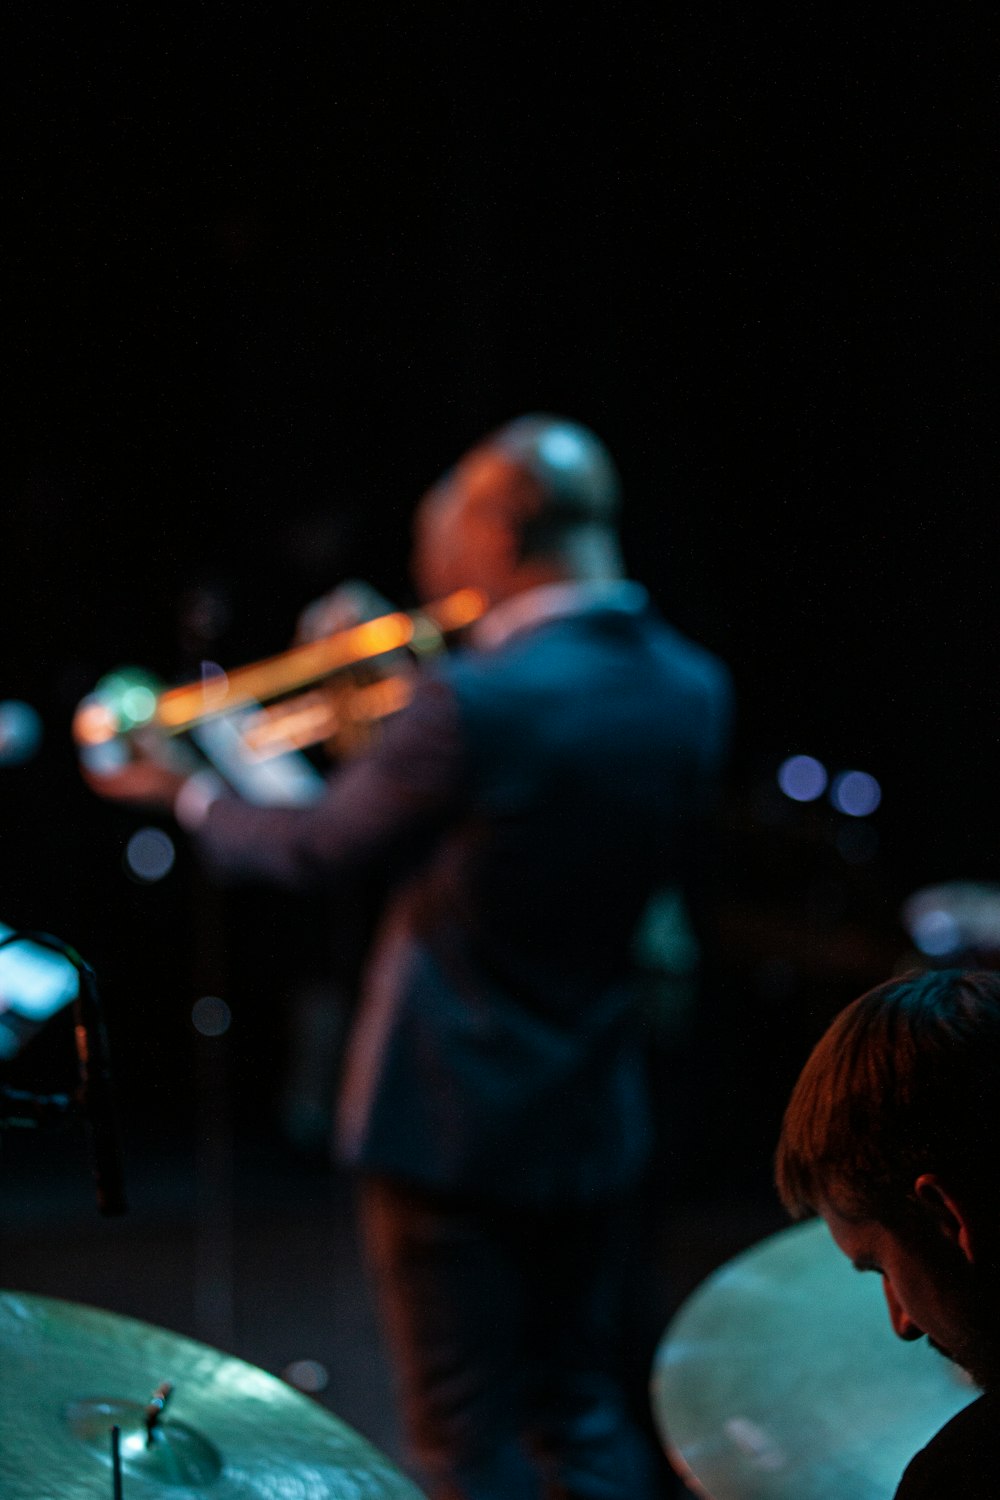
(554, 601)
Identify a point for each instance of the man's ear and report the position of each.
(945, 1212)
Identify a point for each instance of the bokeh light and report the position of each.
(936, 933)
(128, 696)
(802, 777)
(138, 704)
(149, 855)
(214, 683)
(20, 732)
(34, 981)
(106, 759)
(562, 447)
(211, 1016)
(307, 1375)
(855, 793)
(959, 917)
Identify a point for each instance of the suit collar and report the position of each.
(555, 601)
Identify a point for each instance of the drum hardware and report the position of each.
(955, 924)
(116, 1462)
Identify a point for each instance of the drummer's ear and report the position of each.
(946, 1213)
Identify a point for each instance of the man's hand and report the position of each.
(152, 776)
(349, 604)
(143, 781)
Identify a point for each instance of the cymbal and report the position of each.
(69, 1372)
(780, 1379)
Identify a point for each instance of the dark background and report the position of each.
(270, 269)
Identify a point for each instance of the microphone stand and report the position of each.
(94, 1096)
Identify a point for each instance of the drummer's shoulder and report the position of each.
(962, 1460)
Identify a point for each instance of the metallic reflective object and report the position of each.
(69, 1373)
(353, 694)
(781, 1379)
(957, 922)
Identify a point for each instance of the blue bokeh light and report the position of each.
(802, 777)
(936, 933)
(149, 855)
(211, 1016)
(563, 448)
(20, 732)
(855, 793)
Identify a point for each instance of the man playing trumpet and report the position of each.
(538, 788)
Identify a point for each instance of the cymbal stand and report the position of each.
(116, 1462)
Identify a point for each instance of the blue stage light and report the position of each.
(936, 933)
(855, 793)
(20, 732)
(149, 855)
(562, 448)
(802, 777)
(211, 1016)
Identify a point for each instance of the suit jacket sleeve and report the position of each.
(380, 810)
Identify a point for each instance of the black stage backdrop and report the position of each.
(269, 269)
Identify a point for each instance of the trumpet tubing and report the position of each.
(312, 717)
(127, 701)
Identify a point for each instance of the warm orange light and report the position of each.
(314, 716)
(280, 674)
(301, 721)
(180, 707)
(380, 699)
(93, 724)
(457, 610)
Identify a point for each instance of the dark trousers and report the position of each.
(503, 1324)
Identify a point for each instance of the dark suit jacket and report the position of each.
(530, 799)
(962, 1462)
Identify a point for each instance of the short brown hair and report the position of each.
(906, 1080)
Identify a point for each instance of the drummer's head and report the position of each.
(892, 1134)
(535, 502)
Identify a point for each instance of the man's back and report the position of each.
(585, 752)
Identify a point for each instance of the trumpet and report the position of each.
(330, 691)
